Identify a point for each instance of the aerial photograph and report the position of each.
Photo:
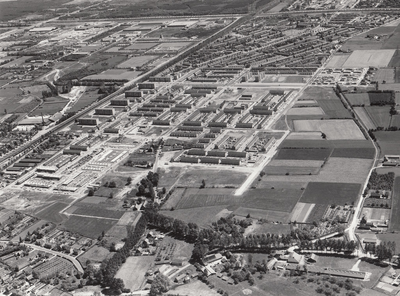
(199, 147)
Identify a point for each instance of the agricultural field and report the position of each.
(291, 170)
(337, 61)
(114, 74)
(201, 216)
(324, 144)
(331, 193)
(206, 197)
(285, 79)
(303, 153)
(316, 92)
(88, 227)
(296, 163)
(384, 75)
(304, 136)
(217, 177)
(380, 115)
(12, 99)
(369, 58)
(341, 170)
(51, 213)
(97, 212)
(133, 271)
(365, 118)
(358, 99)
(333, 129)
(389, 142)
(137, 61)
(276, 216)
(395, 219)
(334, 108)
(50, 106)
(89, 96)
(301, 212)
(306, 111)
(365, 153)
(142, 46)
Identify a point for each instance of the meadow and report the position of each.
(333, 129)
(88, 227)
(331, 193)
(51, 213)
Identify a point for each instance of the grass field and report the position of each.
(357, 99)
(174, 199)
(211, 177)
(334, 108)
(201, 216)
(376, 214)
(94, 254)
(395, 221)
(275, 228)
(316, 92)
(52, 212)
(88, 227)
(304, 154)
(136, 61)
(275, 216)
(395, 121)
(365, 118)
(369, 58)
(341, 170)
(296, 163)
(50, 106)
(333, 129)
(331, 193)
(319, 144)
(98, 212)
(89, 96)
(306, 111)
(114, 74)
(133, 271)
(291, 170)
(317, 213)
(337, 61)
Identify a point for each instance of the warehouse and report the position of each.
(230, 161)
(190, 128)
(198, 152)
(161, 122)
(104, 111)
(189, 159)
(117, 102)
(192, 123)
(217, 124)
(79, 147)
(237, 154)
(134, 94)
(88, 121)
(216, 153)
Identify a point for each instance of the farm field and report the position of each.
(273, 199)
(334, 108)
(291, 170)
(133, 271)
(317, 92)
(196, 198)
(357, 99)
(395, 219)
(369, 58)
(52, 213)
(361, 43)
(50, 107)
(389, 142)
(384, 75)
(337, 61)
(136, 61)
(284, 79)
(303, 154)
(390, 86)
(334, 129)
(301, 212)
(331, 193)
(262, 214)
(365, 153)
(296, 163)
(98, 212)
(202, 216)
(306, 111)
(260, 228)
(304, 136)
(88, 227)
(212, 177)
(324, 144)
(341, 170)
(142, 45)
(194, 288)
(114, 74)
(365, 118)
(89, 96)
(395, 121)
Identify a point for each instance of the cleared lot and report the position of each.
(369, 58)
(133, 271)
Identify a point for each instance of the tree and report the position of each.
(160, 285)
(112, 184)
(129, 180)
(203, 184)
(111, 195)
(91, 192)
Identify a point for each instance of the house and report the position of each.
(212, 258)
(312, 259)
(177, 262)
(280, 265)
(296, 258)
(271, 263)
(370, 241)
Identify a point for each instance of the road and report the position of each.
(76, 263)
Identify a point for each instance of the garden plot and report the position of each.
(369, 58)
(306, 111)
(333, 129)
